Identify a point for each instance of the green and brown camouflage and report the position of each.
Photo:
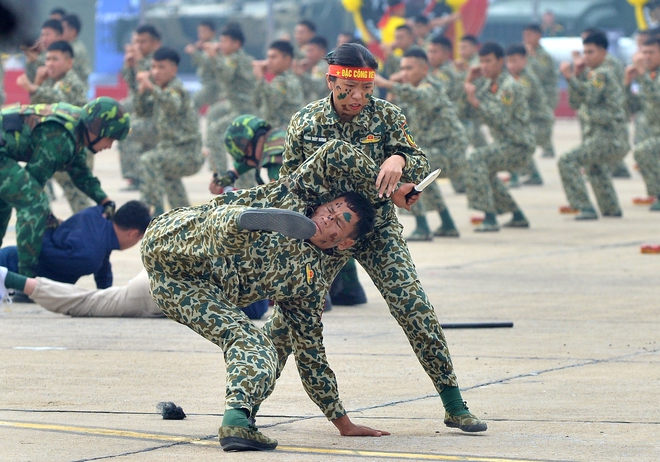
(279, 99)
(106, 118)
(242, 132)
(68, 89)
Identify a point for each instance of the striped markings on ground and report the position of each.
(204, 442)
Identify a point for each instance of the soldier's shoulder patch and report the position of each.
(507, 97)
(525, 81)
(598, 80)
(370, 138)
(409, 138)
(442, 76)
(309, 274)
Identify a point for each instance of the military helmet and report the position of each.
(106, 118)
(242, 132)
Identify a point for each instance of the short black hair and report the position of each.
(365, 212)
(351, 55)
(443, 41)
(591, 31)
(597, 38)
(149, 29)
(470, 38)
(319, 41)
(654, 40)
(167, 54)
(534, 27)
(492, 47)
(58, 10)
(133, 215)
(416, 53)
(421, 19)
(283, 46)
(63, 46)
(405, 27)
(234, 32)
(516, 49)
(207, 23)
(53, 24)
(309, 24)
(73, 21)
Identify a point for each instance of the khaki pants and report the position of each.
(130, 301)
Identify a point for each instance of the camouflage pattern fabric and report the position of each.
(469, 117)
(81, 63)
(546, 70)
(279, 99)
(599, 95)
(505, 110)
(451, 80)
(106, 118)
(380, 130)
(647, 149)
(541, 115)
(313, 83)
(211, 85)
(202, 267)
(179, 150)
(32, 66)
(271, 156)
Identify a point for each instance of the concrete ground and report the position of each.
(576, 378)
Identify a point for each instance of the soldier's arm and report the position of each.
(128, 73)
(48, 94)
(293, 145)
(274, 94)
(306, 333)
(225, 67)
(421, 95)
(82, 64)
(169, 99)
(74, 92)
(401, 143)
(31, 69)
(577, 91)
(633, 101)
(599, 94)
(144, 104)
(84, 179)
(51, 143)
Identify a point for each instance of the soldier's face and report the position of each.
(69, 33)
(302, 34)
(102, 145)
(58, 64)
(436, 55)
(228, 45)
(162, 72)
(491, 66)
(466, 50)
(413, 70)
(515, 64)
(48, 36)
(531, 38)
(204, 33)
(314, 53)
(651, 56)
(594, 55)
(335, 222)
(146, 44)
(403, 39)
(350, 96)
(277, 61)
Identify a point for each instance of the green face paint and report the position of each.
(347, 217)
(342, 96)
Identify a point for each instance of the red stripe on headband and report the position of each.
(363, 74)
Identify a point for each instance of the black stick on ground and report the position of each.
(476, 325)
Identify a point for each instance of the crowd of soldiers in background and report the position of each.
(513, 91)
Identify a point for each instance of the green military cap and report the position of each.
(106, 118)
(242, 132)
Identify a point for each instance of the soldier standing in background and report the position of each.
(468, 50)
(160, 94)
(311, 70)
(35, 57)
(210, 91)
(303, 32)
(71, 28)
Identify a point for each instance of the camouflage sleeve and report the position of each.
(576, 91)
(47, 94)
(31, 69)
(143, 104)
(633, 101)
(73, 91)
(497, 109)
(597, 93)
(650, 89)
(306, 333)
(51, 143)
(84, 179)
(169, 99)
(422, 95)
(401, 142)
(225, 67)
(270, 95)
(198, 58)
(129, 76)
(82, 64)
(293, 145)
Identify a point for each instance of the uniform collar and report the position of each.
(330, 116)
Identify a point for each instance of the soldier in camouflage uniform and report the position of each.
(438, 131)
(545, 69)
(647, 100)
(599, 95)
(501, 103)
(312, 68)
(178, 153)
(35, 57)
(50, 138)
(233, 67)
(283, 96)
(468, 49)
(57, 82)
(205, 261)
(144, 133)
(541, 116)
(210, 91)
(352, 114)
(71, 26)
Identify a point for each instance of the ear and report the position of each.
(328, 81)
(345, 244)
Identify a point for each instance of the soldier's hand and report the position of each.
(461, 65)
(348, 428)
(399, 196)
(41, 75)
(259, 68)
(475, 71)
(630, 75)
(190, 48)
(23, 82)
(109, 209)
(225, 179)
(382, 82)
(144, 81)
(565, 69)
(389, 175)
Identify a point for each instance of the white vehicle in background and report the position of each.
(562, 48)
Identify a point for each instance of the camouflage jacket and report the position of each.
(81, 63)
(68, 89)
(251, 266)
(129, 73)
(271, 156)
(539, 109)
(647, 100)
(313, 83)
(236, 75)
(447, 74)
(503, 107)
(432, 116)
(547, 72)
(171, 107)
(599, 97)
(32, 66)
(48, 138)
(279, 99)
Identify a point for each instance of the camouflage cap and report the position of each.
(241, 132)
(106, 118)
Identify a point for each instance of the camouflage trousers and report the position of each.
(218, 118)
(475, 134)
(142, 138)
(385, 257)
(200, 303)
(647, 156)
(642, 131)
(449, 155)
(162, 169)
(208, 94)
(77, 199)
(595, 155)
(543, 132)
(485, 191)
(20, 191)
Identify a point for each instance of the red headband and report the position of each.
(363, 74)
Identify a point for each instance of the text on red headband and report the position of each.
(352, 73)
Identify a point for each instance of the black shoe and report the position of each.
(287, 222)
(618, 214)
(21, 297)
